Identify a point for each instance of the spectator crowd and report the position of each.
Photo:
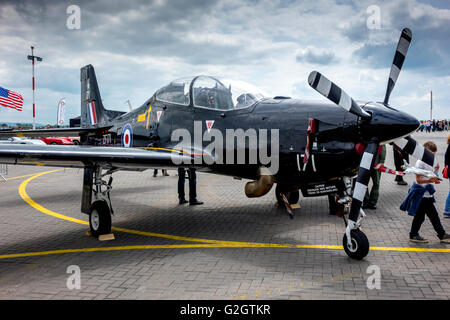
(433, 126)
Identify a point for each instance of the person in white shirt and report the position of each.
(426, 206)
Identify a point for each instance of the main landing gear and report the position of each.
(99, 209)
(100, 218)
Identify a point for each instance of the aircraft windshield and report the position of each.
(176, 92)
(211, 93)
(224, 94)
(243, 94)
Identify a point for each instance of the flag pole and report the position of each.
(32, 58)
(431, 105)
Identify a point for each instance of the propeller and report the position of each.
(399, 58)
(331, 91)
(413, 148)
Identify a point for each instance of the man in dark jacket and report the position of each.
(192, 187)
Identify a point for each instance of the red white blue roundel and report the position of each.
(127, 136)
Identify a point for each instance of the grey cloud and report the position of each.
(313, 56)
(430, 26)
(250, 39)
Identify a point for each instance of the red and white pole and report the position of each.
(34, 105)
(32, 58)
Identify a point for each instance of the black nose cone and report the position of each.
(388, 123)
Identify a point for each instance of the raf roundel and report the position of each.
(127, 136)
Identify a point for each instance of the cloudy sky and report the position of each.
(137, 47)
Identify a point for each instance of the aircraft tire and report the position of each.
(360, 243)
(100, 218)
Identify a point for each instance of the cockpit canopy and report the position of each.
(211, 93)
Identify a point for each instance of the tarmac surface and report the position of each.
(231, 247)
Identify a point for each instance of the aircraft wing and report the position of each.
(54, 132)
(84, 156)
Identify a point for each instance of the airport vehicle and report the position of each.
(20, 140)
(321, 149)
(57, 140)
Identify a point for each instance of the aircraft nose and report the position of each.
(388, 123)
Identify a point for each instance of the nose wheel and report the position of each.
(358, 246)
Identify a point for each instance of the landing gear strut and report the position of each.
(355, 242)
(99, 209)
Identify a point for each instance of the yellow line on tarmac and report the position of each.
(40, 208)
(207, 243)
(176, 246)
(405, 249)
(20, 177)
(189, 246)
(141, 247)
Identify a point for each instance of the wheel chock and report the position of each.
(293, 206)
(106, 237)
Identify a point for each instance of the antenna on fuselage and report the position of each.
(129, 105)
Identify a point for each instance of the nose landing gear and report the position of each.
(355, 243)
(358, 246)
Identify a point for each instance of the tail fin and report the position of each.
(93, 114)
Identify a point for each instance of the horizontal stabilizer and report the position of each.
(54, 132)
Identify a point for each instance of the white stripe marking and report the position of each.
(360, 191)
(366, 160)
(403, 46)
(324, 86)
(395, 71)
(313, 163)
(401, 143)
(418, 152)
(345, 101)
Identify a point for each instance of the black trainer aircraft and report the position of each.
(319, 148)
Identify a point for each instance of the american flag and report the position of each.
(10, 99)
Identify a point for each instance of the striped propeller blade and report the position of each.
(399, 58)
(362, 181)
(329, 90)
(413, 148)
